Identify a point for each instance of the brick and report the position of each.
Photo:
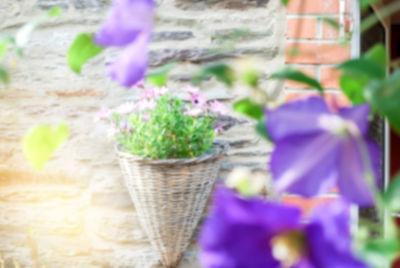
(329, 32)
(301, 28)
(307, 70)
(313, 7)
(330, 77)
(317, 53)
(307, 205)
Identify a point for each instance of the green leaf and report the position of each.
(54, 12)
(82, 49)
(261, 130)
(353, 86)
(295, 75)
(221, 71)
(42, 141)
(363, 66)
(251, 78)
(384, 96)
(3, 47)
(392, 196)
(285, 2)
(378, 54)
(380, 253)
(331, 22)
(4, 77)
(249, 108)
(364, 4)
(160, 76)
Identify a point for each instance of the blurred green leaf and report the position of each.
(295, 75)
(54, 12)
(42, 141)
(221, 71)
(251, 78)
(261, 130)
(363, 66)
(331, 22)
(285, 2)
(384, 96)
(249, 108)
(160, 76)
(4, 77)
(364, 4)
(392, 196)
(378, 54)
(380, 253)
(82, 49)
(352, 87)
(3, 47)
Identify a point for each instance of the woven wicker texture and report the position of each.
(170, 197)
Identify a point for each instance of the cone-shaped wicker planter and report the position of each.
(170, 197)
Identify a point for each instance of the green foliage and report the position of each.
(364, 4)
(285, 2)
(331, 22)
(160, 77)
(392, 195)
(168, 133)
(249, 108)
(3, 47)
(358, 73)
(297, 76)
(380, 253)
(221, 71)
(42, 141)
(82, 49)
(384, 96)
(4, 77)
(261, 129)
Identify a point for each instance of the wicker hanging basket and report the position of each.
(170, 197)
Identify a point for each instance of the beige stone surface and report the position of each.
(77, 212)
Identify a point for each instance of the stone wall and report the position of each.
(77, 212)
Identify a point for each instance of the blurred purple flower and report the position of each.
(218, 107)
(253, 233)
(191, 89)
(129, 24)
(147, 93)
(218, 129)
(198, 100)
(316, 149)
(145, 105)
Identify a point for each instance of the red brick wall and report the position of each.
(317, 52)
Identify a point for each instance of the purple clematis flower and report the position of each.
(316, 149)
(253, 233)
(129, 24)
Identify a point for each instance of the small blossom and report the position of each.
(126, 108)
(161, 91)
(194, 112)
(145, 117)
(149, 93)
(255, 233)
(218, 107)
(198, 100)
(316, 150)
(218, 129)
(145, 105)
(103, 114)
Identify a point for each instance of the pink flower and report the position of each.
(191, 90)
(125, 108)
(194, 112)
(148, 94)
(198, 100)
(218, 129)
(140, 84)
(145, 105)
(145, 117)
(218, 107)
(161, 91)
(103, 114)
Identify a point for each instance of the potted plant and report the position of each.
(170, 161)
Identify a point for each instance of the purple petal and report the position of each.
(126, 20)
(305, 165)
(328, 237)
(296, 118)
(131, 65)
(352, 170)
(359, 115)
(238, 231)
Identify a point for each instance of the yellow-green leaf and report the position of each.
(40, 143)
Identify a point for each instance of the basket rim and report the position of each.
(221, 146)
